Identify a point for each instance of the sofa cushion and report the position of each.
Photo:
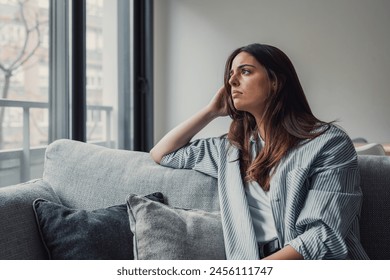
(74, 234)
(162, 232)
(19, 236)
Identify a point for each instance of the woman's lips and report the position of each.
(236, 93)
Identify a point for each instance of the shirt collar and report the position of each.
(252, 139)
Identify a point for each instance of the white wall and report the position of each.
(340, 48)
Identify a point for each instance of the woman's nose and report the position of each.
(233, 81)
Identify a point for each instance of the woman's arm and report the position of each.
(183, 133)
(286, 253)
(323, 226)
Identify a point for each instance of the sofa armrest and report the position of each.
(19, 235)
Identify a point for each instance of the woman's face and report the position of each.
(250, 84)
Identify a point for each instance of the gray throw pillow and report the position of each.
(162, 232)
(72, 234)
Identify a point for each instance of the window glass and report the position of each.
(102, 93)
(24, 83)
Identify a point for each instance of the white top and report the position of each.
(260, 206)
(261, 212)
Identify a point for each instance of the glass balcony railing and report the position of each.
(22, 164)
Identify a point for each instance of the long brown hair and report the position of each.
(287, 117)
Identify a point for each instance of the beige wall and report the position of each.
(340, 48)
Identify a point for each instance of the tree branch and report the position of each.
(2, 67)
(33, 50)
(19, 61)
(26, 39)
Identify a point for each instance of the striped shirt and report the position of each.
(315, 196)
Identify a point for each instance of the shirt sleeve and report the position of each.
(332, 204)
(201, 155)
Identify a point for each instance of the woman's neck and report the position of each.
(260, 129)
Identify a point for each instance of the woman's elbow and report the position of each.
(155, 156)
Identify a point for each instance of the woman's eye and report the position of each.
(245, 71)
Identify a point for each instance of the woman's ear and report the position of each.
(277, 83)
(273, 80)
(274, 85)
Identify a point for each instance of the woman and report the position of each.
(288, 183)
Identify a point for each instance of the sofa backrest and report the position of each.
(375, 217)
(87, 176)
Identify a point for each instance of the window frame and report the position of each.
(59, 80)
(143, 75)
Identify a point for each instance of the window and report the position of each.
(77, 69)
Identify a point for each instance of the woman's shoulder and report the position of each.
(331, 138)
(334, 142)
(332, 134)
(332, 147)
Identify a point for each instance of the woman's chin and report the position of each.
(238, 105)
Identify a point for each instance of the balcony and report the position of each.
(23, 164)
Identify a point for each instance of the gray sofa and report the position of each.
(86, 176)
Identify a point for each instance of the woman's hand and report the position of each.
(218, 105)
(182, 134)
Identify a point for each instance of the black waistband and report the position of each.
(268, 248)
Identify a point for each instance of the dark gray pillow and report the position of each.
(72, 234)
(162, 232)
